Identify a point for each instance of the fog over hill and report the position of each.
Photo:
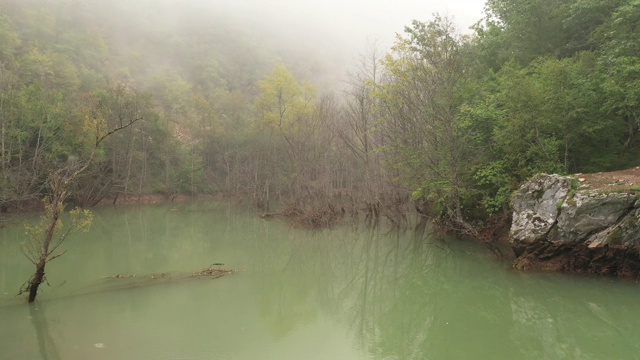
(332, 32)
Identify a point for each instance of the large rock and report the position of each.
(586, 213)
(625, 233)
(559, 228)
(535, 207)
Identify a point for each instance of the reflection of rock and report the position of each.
(532, 319)
(559, 228)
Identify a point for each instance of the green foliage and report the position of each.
(521, 31)
(65, 71)
(50, 230)
(561, 95)
(497, 184)
(10, 40)
(547, 86)
(283, 104)
(81, 219)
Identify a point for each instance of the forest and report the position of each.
(444, 123)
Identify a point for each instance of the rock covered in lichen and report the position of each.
(535, 207)
(625, 233)
(586, 213)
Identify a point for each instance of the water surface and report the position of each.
(344, 293)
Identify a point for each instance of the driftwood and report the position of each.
(120, 282)
(209, 272)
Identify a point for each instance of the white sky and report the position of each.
(353, 18)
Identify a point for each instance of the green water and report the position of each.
(343, 293)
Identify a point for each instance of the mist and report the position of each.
(329, 34)
(318, 40)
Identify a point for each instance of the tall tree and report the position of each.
(285, 107)
(421, 100)
(284, 104)
(521, 31)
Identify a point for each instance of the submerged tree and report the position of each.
(45, 236)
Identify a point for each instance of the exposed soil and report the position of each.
(614, 180)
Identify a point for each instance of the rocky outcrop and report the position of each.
(558, 227)
(535, 207)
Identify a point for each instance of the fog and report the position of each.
(350, 19)
(319, 40)
(332, 33)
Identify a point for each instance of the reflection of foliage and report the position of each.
(385, 312)
(289, 293)
(404, 298)
(285, 304)
(396, 296)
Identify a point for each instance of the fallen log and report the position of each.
(207, 272)
(120, 282)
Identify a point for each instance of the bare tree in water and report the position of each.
(45, 238)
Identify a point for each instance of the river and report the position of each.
(343, 293)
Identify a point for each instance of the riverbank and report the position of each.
(158, 198)
(36, 206)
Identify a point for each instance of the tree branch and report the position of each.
(56, 256)
(114, 130)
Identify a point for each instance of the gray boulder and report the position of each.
(535, 207)
(586, 213)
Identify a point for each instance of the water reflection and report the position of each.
(404, 298)
(389, 317)
(344, 293)
(590, 322)
(46, 344)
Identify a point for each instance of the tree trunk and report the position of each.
(36, 280)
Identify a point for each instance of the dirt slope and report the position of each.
(614, 180)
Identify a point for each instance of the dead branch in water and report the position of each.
(209, 272)
(120, 282)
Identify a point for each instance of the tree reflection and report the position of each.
(384, 314)
(288, 272)
(46, 344)
(411, 299)
(392, 294)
